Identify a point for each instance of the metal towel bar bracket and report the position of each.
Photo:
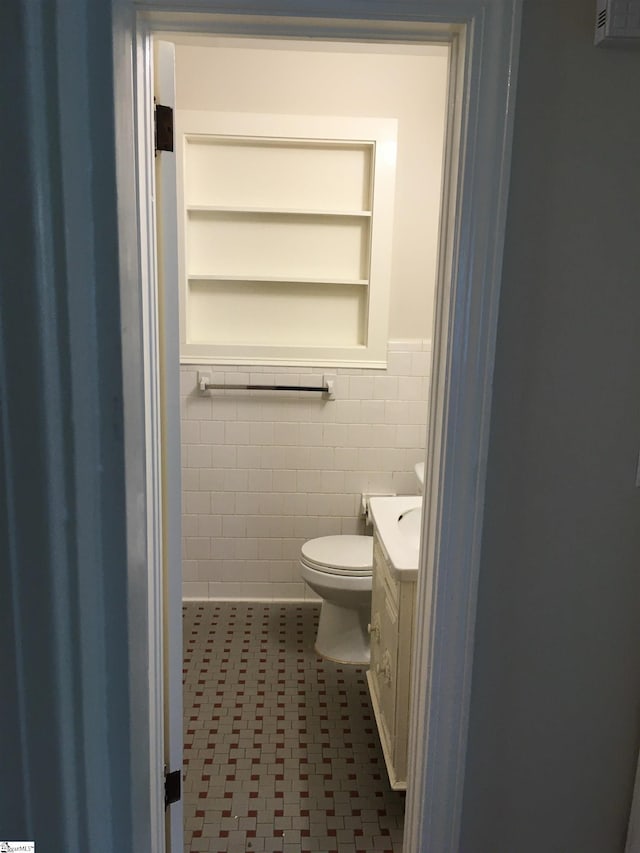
(327, 389)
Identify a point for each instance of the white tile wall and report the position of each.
(262, 473)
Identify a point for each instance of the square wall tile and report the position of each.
(190, 525)
(210, 432)
(196, 503)
(190, 479)
(198, 456)
(248, 503)
(234, 526)
(334, 435)
(385, 388)
(373, 411)
(361, 387)
(412, 388)
(235, 480)
(284, 481)
(348, 411)
(198, 548)
(197, 408)
(195, 590)
(399, 363)
(190, 431)
(421, 363)
(223, 503)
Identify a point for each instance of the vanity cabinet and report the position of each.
(389, 676)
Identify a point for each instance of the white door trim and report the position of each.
(633, 828)
(485, 37)
(166, 211)
(151, 370)
(474, 214)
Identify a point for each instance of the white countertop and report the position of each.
(399, 541)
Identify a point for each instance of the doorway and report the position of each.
(468, 286)
(268, 497)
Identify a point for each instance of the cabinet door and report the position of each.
(377, 607)
(384, 640)
(387, 669)
(403, 678)
(377, 603)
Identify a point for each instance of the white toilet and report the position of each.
(340, 570)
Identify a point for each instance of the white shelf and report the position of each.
(278, 279)
(273, 211)
(276, 247)
(272, 169)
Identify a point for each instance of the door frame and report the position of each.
(484, 37)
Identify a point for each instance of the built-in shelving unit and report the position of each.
(283, 253)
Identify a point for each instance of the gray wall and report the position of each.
(65, 751)
(556, 687)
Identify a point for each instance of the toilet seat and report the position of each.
(339, 555)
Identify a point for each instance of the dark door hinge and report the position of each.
(163, 120)
(172, 786)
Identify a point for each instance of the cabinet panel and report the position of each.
(387, 673)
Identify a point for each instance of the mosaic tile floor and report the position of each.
(281, 747)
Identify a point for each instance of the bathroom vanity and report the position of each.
(395, 572)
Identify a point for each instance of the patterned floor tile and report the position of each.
(281, 752)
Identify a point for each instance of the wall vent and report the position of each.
(617, 22)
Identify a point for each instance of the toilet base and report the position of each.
(342, 634)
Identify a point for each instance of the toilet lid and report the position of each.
(346, 553)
